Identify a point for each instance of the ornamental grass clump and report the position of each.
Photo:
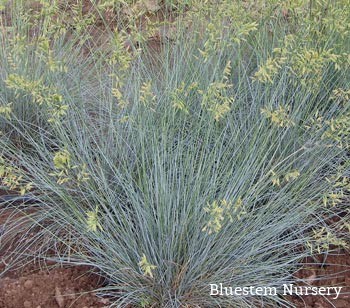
(41, 63)
(219, 165)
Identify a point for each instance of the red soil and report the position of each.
(43, 285)
(332, 271)
(60, 287)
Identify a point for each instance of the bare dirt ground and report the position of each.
(34, 284)
(333, 271)
(31, 287)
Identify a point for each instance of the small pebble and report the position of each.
(28, 284)
(59, 298)
(27, 304)
(104, 301)
(70, 294)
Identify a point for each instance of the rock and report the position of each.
(59, 298)
(28, 284)
(312, 277)
(334, 282)
(70, 294)
(27, 304)
(104, 301)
